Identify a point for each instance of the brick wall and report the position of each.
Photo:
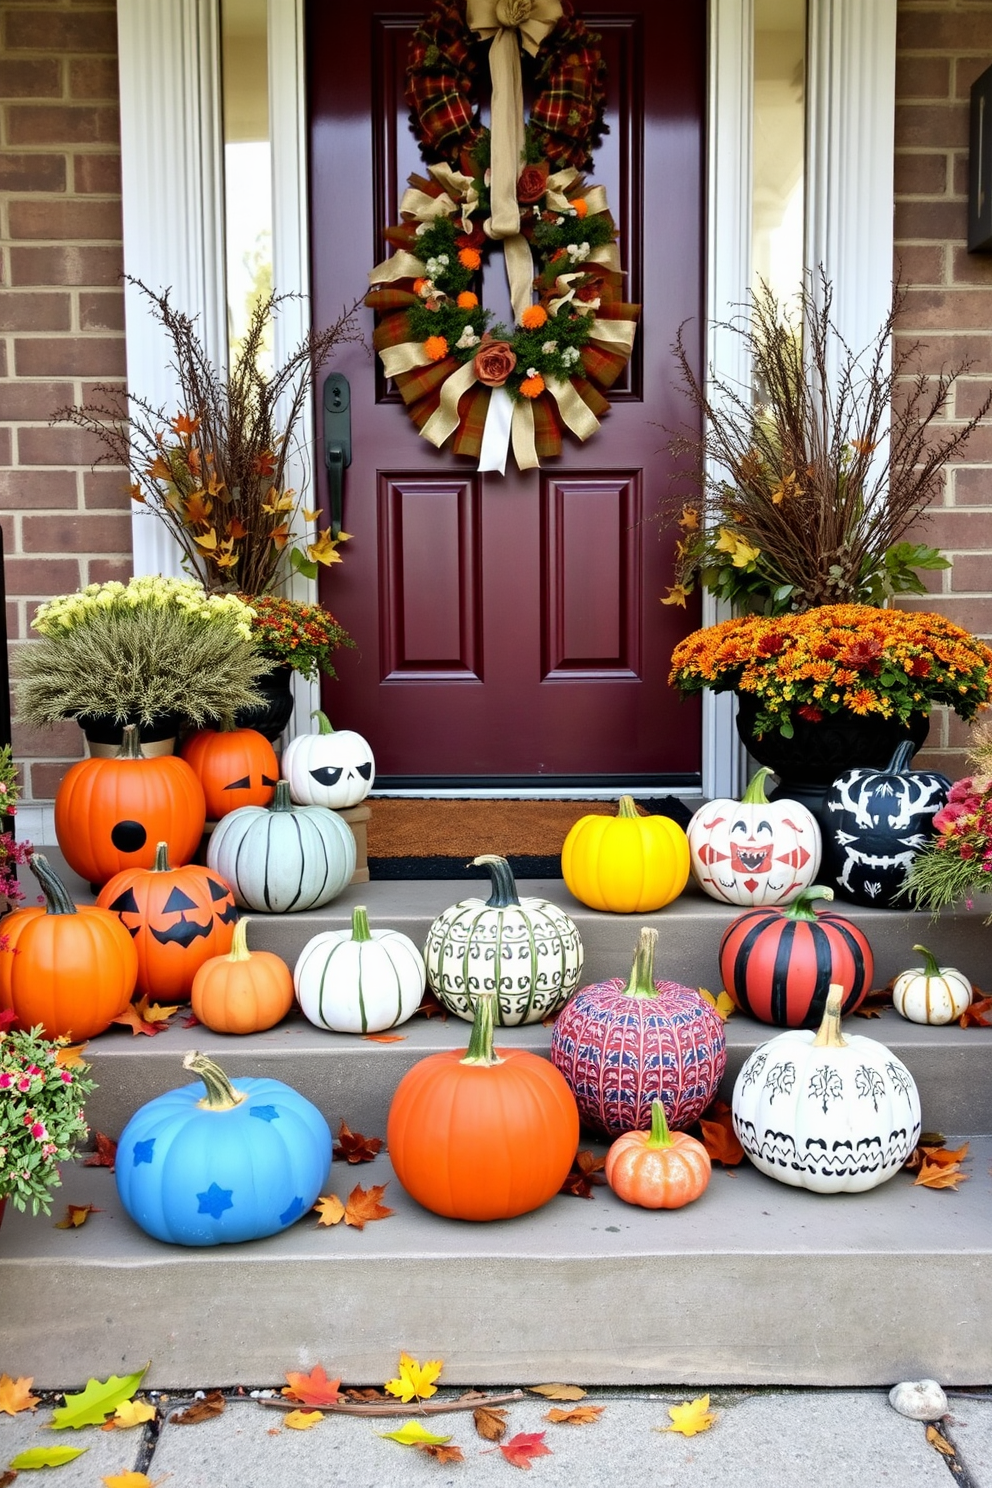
(943, 45)
(61, 319)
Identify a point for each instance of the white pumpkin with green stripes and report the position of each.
(527, 951)
(283, 858)
(359, 980)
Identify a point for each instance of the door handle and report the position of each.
(337, 442)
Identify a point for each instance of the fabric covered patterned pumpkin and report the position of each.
(177, 917)
(285, 858)
(626, 864)
(222, 1160)
(528, 951)
(754, 851)
(625, 1043)
(825, 1112)
(236, 767)
(331, 768)
(879, 821)
(777, 964)
(359, 980)
(931, 993)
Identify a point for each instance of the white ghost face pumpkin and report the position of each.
(329, 768)
(754, 851)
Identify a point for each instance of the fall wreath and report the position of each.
(460, 375)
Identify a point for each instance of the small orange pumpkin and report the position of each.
(243, 992)
(70, 968)
(236, 767)
(658, 1169)
(154, 906)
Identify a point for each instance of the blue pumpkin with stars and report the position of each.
(222, 1160)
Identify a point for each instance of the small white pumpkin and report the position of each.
(754, 851)
(328, 768)
(359, 980)
(825, 1112)
(931, 993)
(527, 951)
(282, 857)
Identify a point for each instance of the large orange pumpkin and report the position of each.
(236, 767)
(154, 905)
(482, 1133)
(70, 968)
(244, 992)
(111, 813)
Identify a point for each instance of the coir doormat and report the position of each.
(439, 838)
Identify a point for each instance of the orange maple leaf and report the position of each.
(105, 1155)
(580, 1415)
(355, 1148)
(182, 424)
(70, 1056)
(237, 528)
(329, 1209)
(581, 1178)
(145, 1017)
(384, 1038)
(362, 1207)
(519, 1450)
(264, 463)
(933, 1175)
(720, 1141)
(974, 1016)
(15, 1395)
(490, 1422)
(313, 1388)
(159, 469)
(76, 1215)
(198, 508)
(441, 1451)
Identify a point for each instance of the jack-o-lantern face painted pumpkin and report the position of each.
(754, 851)
(236, 767)
(178, 918)
(329, 768)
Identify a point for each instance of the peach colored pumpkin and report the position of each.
(243, 992)
(657, 1169)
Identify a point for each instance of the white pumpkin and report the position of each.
(328, 768)
(527, 951)
(931, 993)
(754, 851)
(825, 1112)
(359, 980)
(282, 857)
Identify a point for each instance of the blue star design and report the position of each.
(215, 1201)
(264, 1113)
(293, 1212)
(144, 1151)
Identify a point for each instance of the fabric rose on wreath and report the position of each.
(532, 183)
(494, 361)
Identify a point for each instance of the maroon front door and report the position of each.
(509, 628)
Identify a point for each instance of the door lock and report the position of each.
(337, 442)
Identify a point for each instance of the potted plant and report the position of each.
(12, 852)
(958, 862)
(41, 1114)
(156, 651)
(293, 637)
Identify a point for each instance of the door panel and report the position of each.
(509, 628)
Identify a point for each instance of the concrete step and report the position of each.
(755, 1283)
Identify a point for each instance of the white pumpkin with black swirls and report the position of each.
(283, 858)
(826, 1112)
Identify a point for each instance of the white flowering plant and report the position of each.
(42, 1092)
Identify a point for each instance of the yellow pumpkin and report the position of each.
(627, 864)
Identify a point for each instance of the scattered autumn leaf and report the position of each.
(579, 1415)
(132, 1480)
(441, 1452)
(691, 1417)
(6, 1478)
(212, 1404)
(974, 1016)
(105, 1155)
(412, 1434)
(131, 1413)
(76, 1215)
(416, 1380)
(582, 1179)
(15, 1395)
(519, 1450)
(935, 1175)
(943, 1155)
(133, 1019)
(723, 1002)
(877, 999)
(384, 1038)
(430, 1007)
(70, 1056)
(721, 1143)
(298, 1420)
(490, 1422)
(313, 1388)
(558, 1392)
(99, 1399)
(45, 1457)
(153, 1012)
(364, 1205)
(329, 1209)
(354, 1148)
(364, 1394)
(190, 1021)
(941, 1443)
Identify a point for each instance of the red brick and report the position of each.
(89, 532)
(943, 309)
(61, 31)
(97, 173)
(967, 69)
(920, 263)
(949, 762)
(13, 620)
(106, 489)
(969, 395)
(933, 126)
(3, 359)
(6, 447)
(33, 400)
(919, 174)
(63, 740)
(37, 488)
(108, 391)
(977, 451)
(43, 311)
(959, 175)
(103, 570)
(943, 30)
(937, 220)
(47, 218)
(101, 312)
(938, 351)
(46, 779)
(41, 576)
(32, 172)
(972, 573)
(62, 445)
(79, 356)
(951, 529)
(972, 614)
(923, 77)
(36, 77)
(63, 124)
(972, 485)
(93, 77)
(971, 268)
(67, 265)
(959, 733)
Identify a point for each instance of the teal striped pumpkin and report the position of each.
(359, 980)
(527, 951)
(283, 857)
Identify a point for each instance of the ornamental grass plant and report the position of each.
(958, 862)
(42, 1091)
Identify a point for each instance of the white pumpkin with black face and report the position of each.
(754, 851)
(332, 768)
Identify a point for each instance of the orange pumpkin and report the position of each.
(236, 767)
(657, 1169)
(482, 1134)
(70, 968)
(111, 813)
(154, 904)
(244, 992)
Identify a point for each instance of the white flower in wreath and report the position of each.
(570, 355)
(577, 252)
(467, 339)
(437, 265)
(549, 348)
(531, 371)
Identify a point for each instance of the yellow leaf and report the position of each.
(132, 1413)
(416, 1381)
(724, 1004)
(311, 516)
(939, 1441)
(207, 542)
(153, 1012)
(132, 1480)
(15, 1395)
(75, 1215)
(412, 1434)
(279, 503)
(70, 1056)
(676, 595)
(302, 1420)
(330, 1210)
(691, 1417)
(324, 550)
(558, 1392)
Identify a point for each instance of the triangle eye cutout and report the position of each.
(125, 903)
(241, 784)
(365, 770)
(326, 775)
(177, 902)
(267, 781)
(218, 890)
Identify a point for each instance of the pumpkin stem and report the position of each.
(480, 1043)
(829, 1035)
(504, 891)
(755, 795)
(239, 943)
(282, 801)
(161, 863)
(627, 807)
(660, 1135)
(897, 764)
(57, 899)
(360, 923)
(221, 1094)
(131, 743)
(323, 722)
(641, 983)
(930, 966)
(801, 907)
